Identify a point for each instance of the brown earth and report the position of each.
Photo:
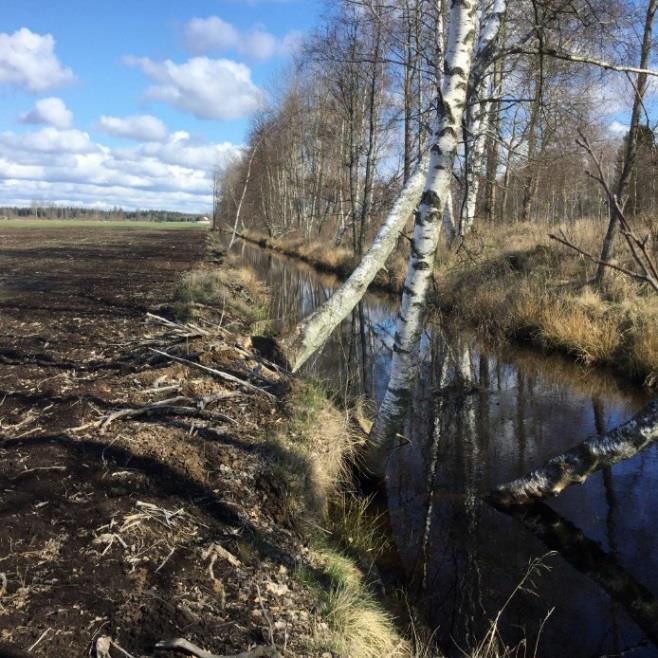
(153, 527)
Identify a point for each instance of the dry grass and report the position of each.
(517, 283)
(358, 626)
(311, 458)
(231, 289)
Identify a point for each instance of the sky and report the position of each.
(135, 103)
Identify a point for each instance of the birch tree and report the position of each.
(462, 28)
(576, 465)
(481, 89)
(312, 333)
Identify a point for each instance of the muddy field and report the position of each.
(143, 528)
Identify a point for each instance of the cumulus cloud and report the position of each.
(51, 111)
(49, 140)
(208, 88)
(142, 128)
(214, 35)
(66, 166)
(28, 61)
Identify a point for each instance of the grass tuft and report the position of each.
(231, 289)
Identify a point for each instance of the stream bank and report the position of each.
(513, 284)
(306, 483)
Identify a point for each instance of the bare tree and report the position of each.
(640, 87)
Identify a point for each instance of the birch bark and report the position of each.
(475, 135)
(312, 333)
(461, 38)
(575, 465)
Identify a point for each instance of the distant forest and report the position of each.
(71, 212)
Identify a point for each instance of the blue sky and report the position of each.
(135, 103)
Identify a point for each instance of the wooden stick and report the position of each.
(164, 410)
(185, 646)
(213, 371)
(177, 325)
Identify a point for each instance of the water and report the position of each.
(479, 418)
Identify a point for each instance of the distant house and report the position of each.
(203, 220)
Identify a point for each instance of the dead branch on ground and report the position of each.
(214, 371)
(185, 646)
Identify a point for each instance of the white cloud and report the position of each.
(28, 60)
(208, 88)
(52, 111)
(617, 128)
(49, 140)
(143, 127)
(68, 167)
(214, 35)
(204, 35)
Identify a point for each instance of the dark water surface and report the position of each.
(482, 417)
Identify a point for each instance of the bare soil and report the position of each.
(154, 527)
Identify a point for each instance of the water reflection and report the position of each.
(483, 417)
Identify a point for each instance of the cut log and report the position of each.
(575, 465)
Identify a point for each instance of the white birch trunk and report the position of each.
(475, 137)
(448, 221)
(312, 333)
(575, 465)
(404, 365)
(478, 112)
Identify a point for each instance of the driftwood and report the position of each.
(214, 371)
(575, 465)
(185, 646)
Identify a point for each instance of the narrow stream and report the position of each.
(482, 417)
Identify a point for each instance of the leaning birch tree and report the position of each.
(462, 28)
(312, 333)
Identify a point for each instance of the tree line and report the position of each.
(329, 156)
(52, 211)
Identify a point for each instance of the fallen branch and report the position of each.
(171, 407)
(213, 371)
(189, 330)
(576, 465)
(185, 646)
